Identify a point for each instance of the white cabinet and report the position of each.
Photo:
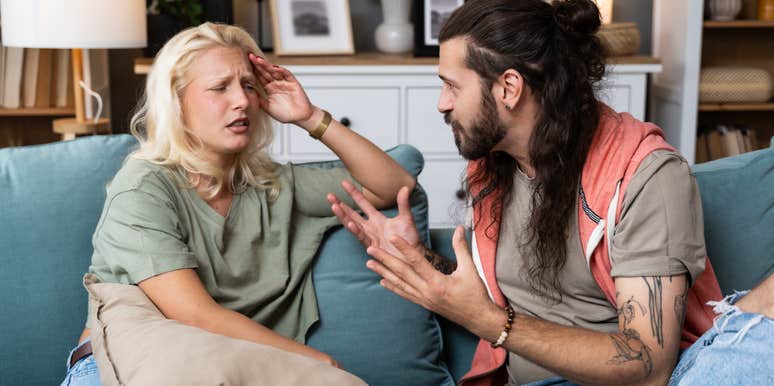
(394, 104)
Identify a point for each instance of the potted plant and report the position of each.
(168, 17)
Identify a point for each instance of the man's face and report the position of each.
(467, 107)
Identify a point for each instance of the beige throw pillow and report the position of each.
(134, 344)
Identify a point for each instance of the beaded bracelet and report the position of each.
(506, 328)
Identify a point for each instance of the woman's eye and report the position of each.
(249, 86)
(218, 88)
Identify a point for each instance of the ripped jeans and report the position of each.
(737, 350)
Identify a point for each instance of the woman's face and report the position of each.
(220, 104)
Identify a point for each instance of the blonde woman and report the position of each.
(214, 232)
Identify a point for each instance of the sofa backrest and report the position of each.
(50, 200)
(737, 196)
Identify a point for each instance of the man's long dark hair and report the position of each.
(555, 49)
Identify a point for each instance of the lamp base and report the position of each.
(70, 127)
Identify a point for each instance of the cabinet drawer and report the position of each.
(373, 112)
(425, 126)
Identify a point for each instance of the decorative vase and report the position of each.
(724, 10)
(395, 35)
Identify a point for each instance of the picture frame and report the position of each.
(429, 16)
(312, 27)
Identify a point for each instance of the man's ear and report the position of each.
(511, 84)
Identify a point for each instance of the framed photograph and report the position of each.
(312, 27)
(429, 16)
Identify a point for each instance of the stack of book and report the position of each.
(724, 141)
(35, 77)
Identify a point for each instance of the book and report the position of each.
(63, 73)
(45, 68)
(749, 139)
(14, 67)
(731, 141)
(715, 144)
(30, 78)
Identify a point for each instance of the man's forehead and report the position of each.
(451, 59)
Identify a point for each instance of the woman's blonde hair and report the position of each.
(164, 138)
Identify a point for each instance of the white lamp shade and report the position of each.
(73, 23)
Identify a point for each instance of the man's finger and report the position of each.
(414, 257)
(400, 292)
(403, 201)
(359, 234)
(388, 277)
(393, 283)
(460, 245)
(359, 199)
(398, 266)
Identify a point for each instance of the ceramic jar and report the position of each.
(724, 10)
(395, 35)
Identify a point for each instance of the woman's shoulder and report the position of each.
(146, 176)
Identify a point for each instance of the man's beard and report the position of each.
(484, 133)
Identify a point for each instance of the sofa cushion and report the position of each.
(50, 199)
(134, 344)
(738, 206)
(372, 332)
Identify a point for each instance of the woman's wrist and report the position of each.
(313, 121)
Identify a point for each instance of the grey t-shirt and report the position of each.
(660, 233)
(256, 260)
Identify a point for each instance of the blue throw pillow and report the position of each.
(738, 206)
(372, 332)
(51, 197)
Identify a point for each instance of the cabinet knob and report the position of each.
(460, 194)
(345, 121)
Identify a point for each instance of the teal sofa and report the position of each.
(51, 197)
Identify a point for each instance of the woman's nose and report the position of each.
(240, 99)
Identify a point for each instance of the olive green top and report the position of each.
(256, 260)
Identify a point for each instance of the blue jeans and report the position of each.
(84, 372)
(737, 350)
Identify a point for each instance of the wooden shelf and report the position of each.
(736, 106)
(739, 24)
(37, 112)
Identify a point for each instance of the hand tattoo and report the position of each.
(440, 263)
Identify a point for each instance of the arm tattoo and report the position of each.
(656, 308)
(628, 310)
(680, 301)
(629, 347)
(440, 263)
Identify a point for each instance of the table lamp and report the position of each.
(74, 24)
